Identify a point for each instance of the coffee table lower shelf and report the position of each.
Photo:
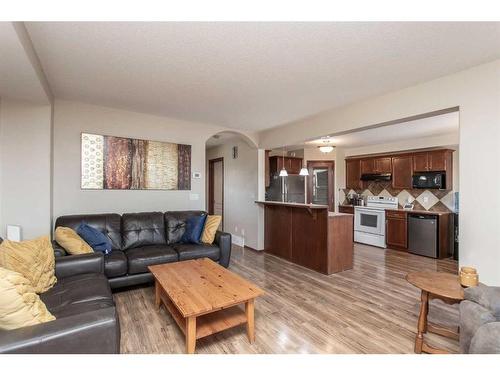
(195, 328)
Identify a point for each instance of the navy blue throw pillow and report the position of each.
(194, 229)
(96, 240)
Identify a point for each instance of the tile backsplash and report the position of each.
(422, 199)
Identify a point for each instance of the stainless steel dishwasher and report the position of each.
(423, 235)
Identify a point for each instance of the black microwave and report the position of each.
(429, 180)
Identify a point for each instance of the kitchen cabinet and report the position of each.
(295, 165)
(383, 165)
(353, 175)
(438, 161)
(402, 166)
(433, 161)
(376, 165)
(267, 169)
(367, 166)
(396, 229)
(344, 209)
(402, 172)
(291, 164)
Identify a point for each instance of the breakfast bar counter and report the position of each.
(309, 235)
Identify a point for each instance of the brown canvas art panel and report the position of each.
(123, 163)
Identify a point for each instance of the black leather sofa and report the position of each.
(143, 239)
(86, 317)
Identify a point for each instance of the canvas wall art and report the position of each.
(124, 163)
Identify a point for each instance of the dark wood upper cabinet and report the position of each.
(291, 164)
(353, 175)
(294, 165)
(367, 166)
(402, 172)
(383, 165)
(433, 161)
(437, 161)
(420, 162)
(402, 166)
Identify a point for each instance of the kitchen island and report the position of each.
(309, 235)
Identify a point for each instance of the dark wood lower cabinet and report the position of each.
(396, 230)
(309, 236)
(278, 234)
(346, 209)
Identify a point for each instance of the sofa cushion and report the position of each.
(20, 306)
(78, 294)
(109, 224)
(193, 251)
(34, 259)
(143, 229)
(175, 230)
(139, 258)
(194, 229)
(212, 222)
(97, 240)
(71, 242)
(175, 222)
(115, 264)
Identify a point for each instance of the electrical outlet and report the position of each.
(426, 199)
(236, 228)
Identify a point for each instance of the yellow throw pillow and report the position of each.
(34, 259)
(20, 306)
(211, 224)
(71, 241)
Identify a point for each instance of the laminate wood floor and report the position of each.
(369, 309)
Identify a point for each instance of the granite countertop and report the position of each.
(423, 212)
(291, 204)
(335, 214)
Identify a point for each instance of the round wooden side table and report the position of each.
(434, 285)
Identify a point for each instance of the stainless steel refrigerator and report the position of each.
(286, 189)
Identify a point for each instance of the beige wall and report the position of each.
(476, 92)
(241, 213)
(25, 141)
(72, 118)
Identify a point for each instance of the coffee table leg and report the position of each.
(190, 334)
(157, 295)
(422, 321)
(249, 309)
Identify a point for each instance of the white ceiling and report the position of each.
(250, 76)
(426, 127)
(18, 78)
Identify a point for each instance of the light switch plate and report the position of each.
(196, 174)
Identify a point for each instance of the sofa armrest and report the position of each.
(223, 240)
(486, 296)
(486, 340)
(91, 332)
(78, 264)
(472, 317)
(58, 249)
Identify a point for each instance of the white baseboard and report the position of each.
(237, 240)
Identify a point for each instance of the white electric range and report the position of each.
(369, 220)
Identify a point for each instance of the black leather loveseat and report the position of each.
(143, 239)
(86, 317)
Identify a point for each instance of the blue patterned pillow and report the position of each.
(97, 240)
(194, 229)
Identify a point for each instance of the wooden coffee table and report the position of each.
(203, 298)
(440, 285)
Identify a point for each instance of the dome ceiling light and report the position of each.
(326, 147)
